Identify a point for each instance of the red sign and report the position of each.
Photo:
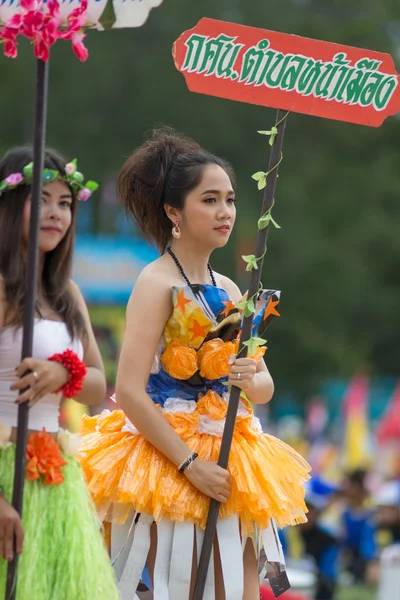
(285, 71)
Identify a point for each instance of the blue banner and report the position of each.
(106, 268)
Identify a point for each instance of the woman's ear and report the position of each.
(171, 212)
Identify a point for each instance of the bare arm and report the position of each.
(256, 381)
(148, 310)
(52, 376)
(94, 386)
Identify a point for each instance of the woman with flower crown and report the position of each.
(63, 556)
(151, 466)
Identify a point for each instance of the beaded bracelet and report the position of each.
(76, 372)
(187, 463)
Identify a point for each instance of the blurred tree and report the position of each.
(337, 257)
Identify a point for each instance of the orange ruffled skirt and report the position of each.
(124, 471)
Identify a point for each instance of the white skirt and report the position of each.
(130, 544)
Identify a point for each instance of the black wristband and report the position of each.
(186, 463)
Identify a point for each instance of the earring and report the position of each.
(176, 232)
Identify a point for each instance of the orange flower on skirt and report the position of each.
(44, 459)
(179, 361)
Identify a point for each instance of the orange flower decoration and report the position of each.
(110, 422)
(259, 353)
(88, 424)
(184, 424)
(212, 405)
(179, 361)
(213, 358)
(44, 459)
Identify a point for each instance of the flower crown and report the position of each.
(72, 177)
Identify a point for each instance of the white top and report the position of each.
(49, 337)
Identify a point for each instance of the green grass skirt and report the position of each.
(64, 556)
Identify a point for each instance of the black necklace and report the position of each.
(182, 272)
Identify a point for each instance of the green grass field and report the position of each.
(360, 593)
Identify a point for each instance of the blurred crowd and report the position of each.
(349, 525)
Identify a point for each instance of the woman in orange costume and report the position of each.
(156, 458)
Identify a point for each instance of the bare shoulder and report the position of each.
(152, 289)
(230, 286)
(155, 277)
(76, 293)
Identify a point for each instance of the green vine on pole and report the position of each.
(248, 306)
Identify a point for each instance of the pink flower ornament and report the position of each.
(84, 194)
(70, 169)
(78, 46)
(42, 23)
(14, 179)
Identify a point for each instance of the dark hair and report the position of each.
(357, 477)
(57, 263)
(163, 170)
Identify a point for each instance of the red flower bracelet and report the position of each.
(76, 372)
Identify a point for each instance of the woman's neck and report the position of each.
(193, 261)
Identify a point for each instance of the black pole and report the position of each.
(245, 335)
(30, 299)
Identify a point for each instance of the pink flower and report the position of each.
(9, 36)
(30, 5)
(84, 195)
(52, 23)
(78, 46)
(40, 21)
(10, 49)
(15, 22)
(14, 179)
(70, 169)
(41, 48)
(32, 25)
(77, 18)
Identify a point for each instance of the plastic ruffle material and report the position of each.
(64, 556)
(123, 470)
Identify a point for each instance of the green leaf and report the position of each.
(262, 183)
(252, 266)
(259, 341)
(75, 163)
(274, 133)
(263, 221)
(241, 305)
(3, 186)
(92, 186)
(251, 345)
(259, 175)
(249, 309)
(251, 261)
(274, 223)
(28, 170)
